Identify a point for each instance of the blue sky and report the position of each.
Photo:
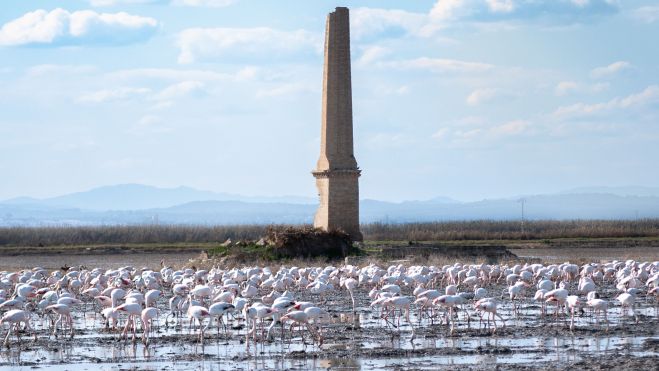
(468, 99)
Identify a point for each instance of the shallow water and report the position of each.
(352, 342)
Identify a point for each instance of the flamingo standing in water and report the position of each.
(489, 305)
(350, 284)
(147, 315)
(197, 313)
(133, 310)
(599, 305)
(449, 302)
(627, 299)
(14, 318)
(558, 296)
(218, 310)
(302, 318)
(64, 312)
(573, 302)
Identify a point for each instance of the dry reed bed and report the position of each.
(430, 231)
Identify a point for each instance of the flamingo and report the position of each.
(557, 296)
(627, 299)
(14, 317)
(449, 302)
(573, 302)
(402, 303)
(599, 305)
(64, 312)
(489, 305)
(133, 310)
(218, 310)
(147, 316)
(197, 313)
(350, 284)
(151, 297)
(302, 318)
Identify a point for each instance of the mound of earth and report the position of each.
(288, 243)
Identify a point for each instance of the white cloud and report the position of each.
(371, 54)
(149, 124)
(205, 3)
(369, 21)
(468, 134)
(610, 70)
(599, 87)
(149, 120)
(475, 130)
(447, 13)
(59, 69)
(195, 3)
(219, 43)
(102, 3)
(580, 3)
(447, 9)
(107, 95)
(439, 65)
(287, 90)
(171, 74)
(648, 14)
(648, 96)
(501, 6)
(511, 128)
(441, 133)
(480, 96)
(164, 97)
(552, 11)
(565, 87)
(179, 90)
(60, 27)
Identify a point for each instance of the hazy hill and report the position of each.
(140, 197)
(136, 204)
(619, 191)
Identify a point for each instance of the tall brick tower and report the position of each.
(337, 173)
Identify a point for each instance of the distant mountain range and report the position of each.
(619, 191)
(140, 197)
(140, 204)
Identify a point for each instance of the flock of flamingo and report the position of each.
(259, 295)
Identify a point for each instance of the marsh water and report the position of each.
(361, 341)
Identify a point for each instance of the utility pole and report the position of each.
(522, 201)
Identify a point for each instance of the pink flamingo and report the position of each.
(302, 318)
(599, 305)
(14, 317)
(64, 312)
(197, 313)
(148, 314)
(489, 305)
(133, 310)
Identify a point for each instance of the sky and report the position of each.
(468, 99)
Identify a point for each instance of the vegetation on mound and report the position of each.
(288, 243)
